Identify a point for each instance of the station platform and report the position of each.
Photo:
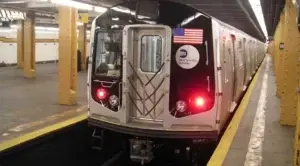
(27, 105)
(255, 136)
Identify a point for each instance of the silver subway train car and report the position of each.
(161, 71)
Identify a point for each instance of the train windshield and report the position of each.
(108, 53)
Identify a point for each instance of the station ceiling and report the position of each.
(237, 13)
(272, 10)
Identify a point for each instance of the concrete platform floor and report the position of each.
(271, 143)
(26, 102)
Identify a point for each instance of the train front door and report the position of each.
(146, 71)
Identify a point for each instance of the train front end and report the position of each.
(152, 75)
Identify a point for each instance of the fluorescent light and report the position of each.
(189, 19)
(8, 30)
(39, 31)
(123, 10)
(149, 22)
(128, 11)
(73, 4)
(79, 23)
(13, 2)
(46, 28)
(79, 5)
(115, 19)
(99, 9)
(257, 9)
(13, 26)
(115, 26)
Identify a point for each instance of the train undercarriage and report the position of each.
(146, 150)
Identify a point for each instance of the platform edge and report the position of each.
(40, 132)
(222, 149)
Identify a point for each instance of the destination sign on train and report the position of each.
(10, 15)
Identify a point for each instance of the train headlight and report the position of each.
(113, 100)
(181, 106)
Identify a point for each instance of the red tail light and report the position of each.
(102, 93)
(199, 101)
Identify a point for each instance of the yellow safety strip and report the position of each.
(40, 132)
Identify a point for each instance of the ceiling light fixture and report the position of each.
(257, 9)
(79, 5)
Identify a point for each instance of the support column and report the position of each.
(296, 58)
(276, 48)
(276, 51)
(29, 46)
(282, 54)
(20, 44)
(290, 67)
(279, 54)
(67, 56)
(271, 48)
(82, 45)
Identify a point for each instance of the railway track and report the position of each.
(122, 159)
(72, 146)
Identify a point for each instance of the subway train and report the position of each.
(162, 72)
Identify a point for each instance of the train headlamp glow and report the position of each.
(181, 106)
(113, 100)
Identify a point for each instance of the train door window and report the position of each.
(151, 53)
(234, 60)
(225, 52)
(239, 52)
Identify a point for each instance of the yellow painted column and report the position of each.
(291, 67)
(20, 44)
(29, 46)
(282, 54)
(67, 56)
(271, 48)
(279, 53)
(275, 57)
(82, 45)
(296, 58)
(276, 48)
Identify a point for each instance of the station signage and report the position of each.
(83, 17)
(281, 46)
(11, 15)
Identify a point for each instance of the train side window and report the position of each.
(151, 53)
